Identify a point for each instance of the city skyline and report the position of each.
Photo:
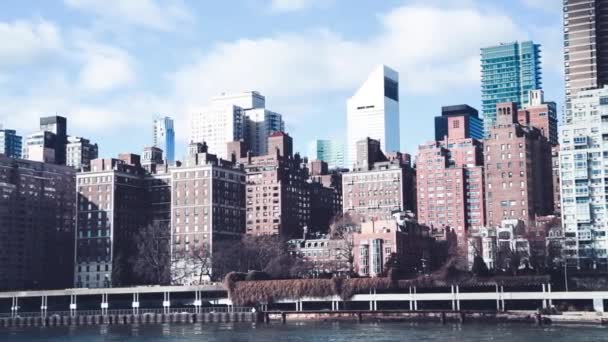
(100, 105)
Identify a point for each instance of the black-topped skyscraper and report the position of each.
(473, 125)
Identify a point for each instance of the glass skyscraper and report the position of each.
(508, 73)
(330, 151)
(164, 138)
(10, 143)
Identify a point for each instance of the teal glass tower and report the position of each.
(508, 73)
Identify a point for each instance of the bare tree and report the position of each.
(343, 228)
(152, 259)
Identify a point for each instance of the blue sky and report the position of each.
(112, 66)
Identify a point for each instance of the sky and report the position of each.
(111, 67)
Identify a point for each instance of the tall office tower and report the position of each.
(58, 126)
(583, 180)
(508, 73)
(234, 117)
(379, 185)
(374, 112)
(207, 213)
(36, 225)
(164, 138)
(519, 182)
(467, 116)
(80, 152)
(585, 46)
(10, 143)
(330, 151)
(449, 173)
(278, 199)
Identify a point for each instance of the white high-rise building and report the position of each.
(164, 138)
(374, 112)
(584, 179)
(80, 152)
(232, 117)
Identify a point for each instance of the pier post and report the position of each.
(104, 304)
(72, 305)
(453, 298)
(166, 302)
(415, 300)
(497, 298)
(197, 301)
(43, 306)
(411, 300)
(550, 300)
(375, 301)
(14, 307)
(457, 298)
(283, 317)
(502, 297)
(135, 304)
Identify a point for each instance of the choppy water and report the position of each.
(312, 331)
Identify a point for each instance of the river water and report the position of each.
(312, 331)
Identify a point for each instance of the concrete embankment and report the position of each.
(531, 317)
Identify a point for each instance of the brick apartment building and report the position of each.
(325, 189)
(378, 186)
(450, 183)
(277, 199)
(36, 224)
(519, 181)
(207, 211)
(112, 207)
(377, 240)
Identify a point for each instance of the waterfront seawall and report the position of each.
(118, 319)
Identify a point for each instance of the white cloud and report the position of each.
(434, 49)
(23, 41)
(151, 14)
(105, 68)
(546, 5)
(281, 6)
